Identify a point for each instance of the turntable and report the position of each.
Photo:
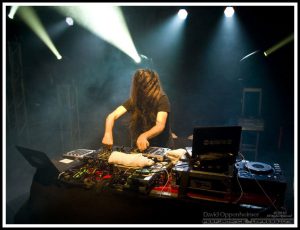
(259, 170)
(262, 180)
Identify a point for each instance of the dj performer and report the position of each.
(150, 109)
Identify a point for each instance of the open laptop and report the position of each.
(41, 161)
(215, 146)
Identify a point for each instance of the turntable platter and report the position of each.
(259, 167)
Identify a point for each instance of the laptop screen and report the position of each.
(221, 139)
(36, 158)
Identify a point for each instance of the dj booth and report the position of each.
(85, 187)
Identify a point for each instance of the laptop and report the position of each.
(216, 142)
(41, 161)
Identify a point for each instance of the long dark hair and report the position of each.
(146, 91)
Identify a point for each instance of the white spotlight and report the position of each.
(13, 11)
(229, 11)
(137, 59)
(30, 17)
(106, 21)
(69, 21)
(182, 14)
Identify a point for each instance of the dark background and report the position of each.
(63, 103)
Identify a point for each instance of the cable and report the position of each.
(243, 158)
(165, 183)
(59, 175)
(267, 196)
(242, 191)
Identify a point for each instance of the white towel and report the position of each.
(175, 155)
(130, 160)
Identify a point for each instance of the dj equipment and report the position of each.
(263, 180)
(223, 139)
(156, 153)
(215, 148)
(95, 168)
(200, 183)
(42, 162)
(78, 153)
(259, 167)
(47, 170)
(211, 169)
(92, 171)
(218, 185)
(178, 171)
(144, 179)
(212, 162)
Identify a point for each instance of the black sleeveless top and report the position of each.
(164, 139)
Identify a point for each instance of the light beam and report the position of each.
(31, 19)
(105, 21)
(13, 11)
(279, 45)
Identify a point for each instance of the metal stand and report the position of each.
(67, 96)
(251, 121)
(17, 120)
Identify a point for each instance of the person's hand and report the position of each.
(142, 142)
(108, 139)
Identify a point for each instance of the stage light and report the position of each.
(137, 60)
(279, 45)
(229, 11)
(12, 11)
(31, 19)
(182, 14)
(145, 62)
(105, 21)
(69, 21)
(167, 40)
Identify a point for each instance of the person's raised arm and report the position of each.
(109, 124)
(142, 141)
